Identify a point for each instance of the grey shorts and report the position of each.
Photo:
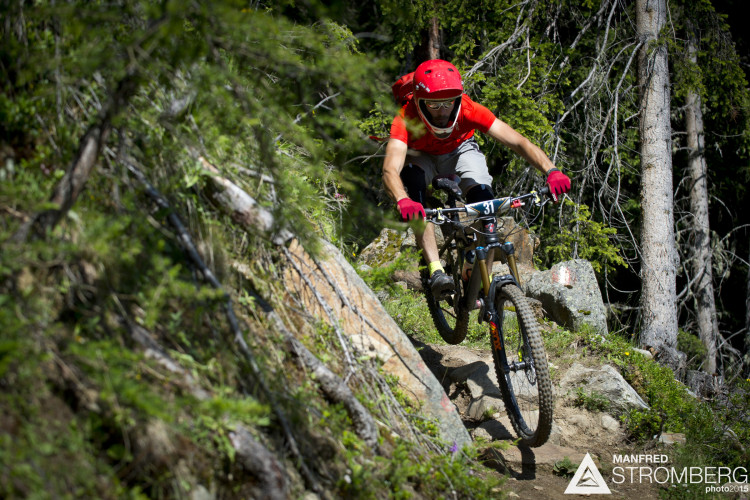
(466, 160)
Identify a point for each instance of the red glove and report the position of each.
(410, 209)
(558, 182)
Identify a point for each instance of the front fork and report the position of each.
(488, 312)
(484, 260)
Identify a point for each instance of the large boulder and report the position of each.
(342, 298)
(570, 295)
(605, 381)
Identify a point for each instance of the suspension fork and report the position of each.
(481, 256)
(485, 259)
(494, 317)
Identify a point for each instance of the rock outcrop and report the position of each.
(605, 381)
(341, 295)
(570, 295)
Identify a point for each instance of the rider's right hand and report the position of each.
(558, 183)
(410, 209)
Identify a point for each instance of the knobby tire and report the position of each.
(527, 392)
(452, 325)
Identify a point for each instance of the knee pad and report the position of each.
(480, 192)
(413, 178)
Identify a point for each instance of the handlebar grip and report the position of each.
(545, 191)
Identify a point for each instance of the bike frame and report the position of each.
(480, 281)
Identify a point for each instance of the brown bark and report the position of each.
(700, 251)
(433, 37)
(429, 47)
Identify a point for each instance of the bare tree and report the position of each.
(701, 261)
(659, 252)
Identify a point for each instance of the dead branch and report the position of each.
(70, 186)
(329, 312)
(333, 387)
(243, 209)
(495, 52)
(344, 300)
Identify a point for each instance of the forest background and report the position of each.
(284, 97)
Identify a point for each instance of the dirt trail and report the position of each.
(575, 432)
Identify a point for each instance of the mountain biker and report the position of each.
(433, 135)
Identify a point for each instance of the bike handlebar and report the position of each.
(489, 207)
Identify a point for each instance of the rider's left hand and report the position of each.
(558, 182)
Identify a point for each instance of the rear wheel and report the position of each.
(450, 317)
(521, 367)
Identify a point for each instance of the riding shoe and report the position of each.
(441, 284)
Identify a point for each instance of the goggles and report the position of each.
(435, 105)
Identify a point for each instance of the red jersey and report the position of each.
(472, 116)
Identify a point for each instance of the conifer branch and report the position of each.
(186, 241)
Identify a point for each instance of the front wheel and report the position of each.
(521, 367)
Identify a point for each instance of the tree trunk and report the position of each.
(747, 313)
(429, 45)
(700, 259)
(659, 253)
(433, 44)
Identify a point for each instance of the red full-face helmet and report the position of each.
(438, 83)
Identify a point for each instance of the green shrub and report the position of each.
(593, 401)
(565, 467)
(591, 239)
(692, 346)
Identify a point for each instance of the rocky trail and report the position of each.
(468, 378)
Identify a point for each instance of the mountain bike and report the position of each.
(518, 352)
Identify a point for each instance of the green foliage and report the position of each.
(589, 239)
(643, 425)
(693, 347)
(716, 436)
(379, 276)
(405, 475)
(405, 22)
(565, 467)
(280, 98)
(592, 401)
(409, 309)
(669, 402)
